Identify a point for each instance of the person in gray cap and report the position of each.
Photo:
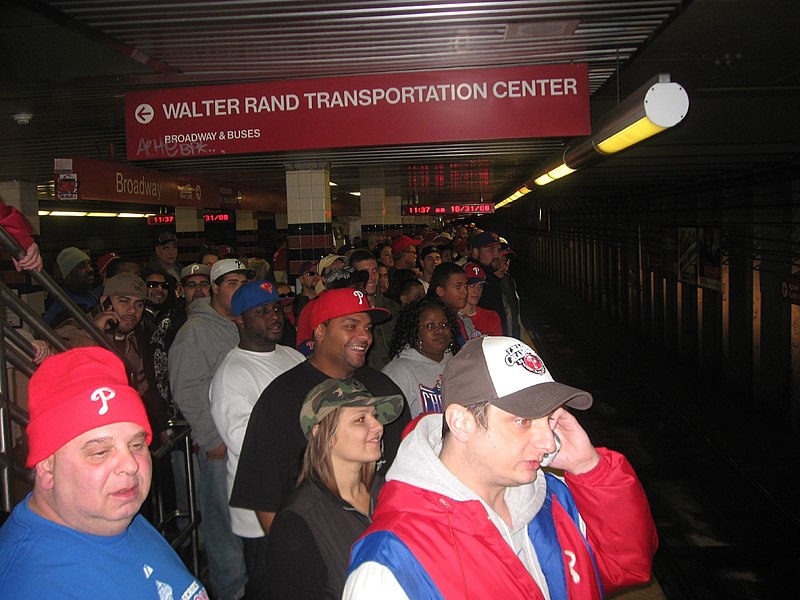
(199, 347)
(165, 255)
(76, 268)
(468, 512)
(120, 321)
(311, 536)
(196, 282)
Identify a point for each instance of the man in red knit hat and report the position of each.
(78, 531)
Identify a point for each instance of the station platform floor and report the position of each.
(722, 479)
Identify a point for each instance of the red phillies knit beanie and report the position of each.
(75, 391)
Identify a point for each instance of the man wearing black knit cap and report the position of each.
(485, 250)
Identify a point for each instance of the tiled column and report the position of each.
(393, 220)
(190, 229)
(246, 231)
(308, 202)
(373, 200)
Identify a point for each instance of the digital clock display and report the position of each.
(160, 219)
(208, 217)
(448, 209)
(216, 217)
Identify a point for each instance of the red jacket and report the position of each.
(16, 225)
(440, 548)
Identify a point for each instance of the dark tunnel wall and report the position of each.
(707, 273)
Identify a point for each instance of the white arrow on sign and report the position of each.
(144, 113)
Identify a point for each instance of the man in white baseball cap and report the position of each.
(199, 348)
(467, 510)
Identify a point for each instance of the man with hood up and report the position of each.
(467, 511)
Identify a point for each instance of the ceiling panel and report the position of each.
(71, 62)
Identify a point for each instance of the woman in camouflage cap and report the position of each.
(310, 538)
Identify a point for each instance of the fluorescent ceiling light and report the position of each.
(131, 215)
(657, 105)
(332, 184)
(67, 213)
(101, 214)
(633, 134)
(44, 213)
(355, 193)
(560, 171)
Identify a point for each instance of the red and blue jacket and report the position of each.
(436, 547)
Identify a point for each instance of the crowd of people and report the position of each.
(375, 427)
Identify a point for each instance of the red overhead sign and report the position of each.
(369, 110)
(91, 179)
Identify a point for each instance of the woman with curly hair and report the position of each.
(422, 344)
(449, 284)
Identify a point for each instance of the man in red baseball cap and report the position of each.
(486, 322)
(342, 321)
(78, 531)
(404, 252)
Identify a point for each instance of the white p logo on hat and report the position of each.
(359, 295)
(103, 395)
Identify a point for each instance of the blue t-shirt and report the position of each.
(42, 559)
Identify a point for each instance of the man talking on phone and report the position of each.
(467, 512)
(123, 307)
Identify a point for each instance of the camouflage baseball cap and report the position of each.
(329, 395)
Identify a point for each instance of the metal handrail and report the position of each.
(180, 439)
(17, 351)
(55, 290)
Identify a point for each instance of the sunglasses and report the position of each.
(286, 295)
(154, 284)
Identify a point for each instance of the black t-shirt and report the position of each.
(273, 446)
(492, 297)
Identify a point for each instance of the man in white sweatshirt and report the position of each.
(245, 372)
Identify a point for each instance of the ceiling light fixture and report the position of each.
(22, 118)
(657, 105)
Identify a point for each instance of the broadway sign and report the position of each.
(370, 110)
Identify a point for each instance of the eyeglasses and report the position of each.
(154, 284)
(310, 273)
(432, 326)
(190, 285)
(286, 295)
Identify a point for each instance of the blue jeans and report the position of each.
(223, 547)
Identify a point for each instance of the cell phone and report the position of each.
(548, 458)
(111, 326)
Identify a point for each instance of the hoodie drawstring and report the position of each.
(446, 505)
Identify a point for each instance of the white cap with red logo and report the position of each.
(509, 374)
